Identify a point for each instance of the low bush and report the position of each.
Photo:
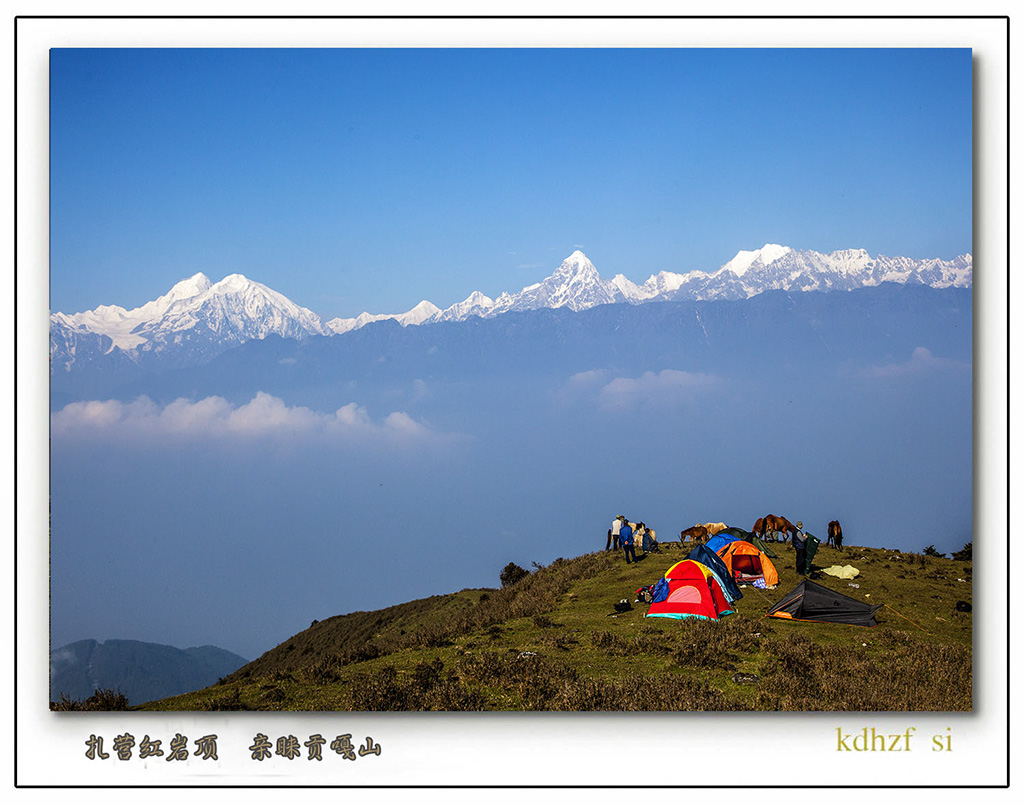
(101, 700)
(231, 701)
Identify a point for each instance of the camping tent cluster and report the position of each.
(705, 586)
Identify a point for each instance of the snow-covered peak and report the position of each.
(478, 298)
(767, 254)
(232, 284)
(575, 284)
(423, 311)
(629, 290)
(576, 264)
(188, 289)
(200, 316)
(771, 252)
(197, 284)
(849, 261)
(476, 304)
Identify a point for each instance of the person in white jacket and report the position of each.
(613, 535)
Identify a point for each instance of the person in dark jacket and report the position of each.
(626, 538)
(800, 544)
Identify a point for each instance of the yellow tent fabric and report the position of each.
(841, 571)
(682, 565)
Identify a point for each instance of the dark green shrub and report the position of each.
(380, 692)
(511, 574)
(427, 675)
(274, 694)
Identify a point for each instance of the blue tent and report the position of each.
(720, 540)
(705, 556)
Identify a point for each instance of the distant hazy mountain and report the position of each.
(198, 320)
(139, 670)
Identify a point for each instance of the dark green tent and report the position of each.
(750, 537)
(809, 601)
(812, 547)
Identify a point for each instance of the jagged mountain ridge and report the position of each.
(197, 320)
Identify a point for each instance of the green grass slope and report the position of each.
(553, 642)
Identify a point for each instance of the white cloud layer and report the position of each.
(667, 388)
(263, 416)
(921, 361)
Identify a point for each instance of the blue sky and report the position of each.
(355, 180)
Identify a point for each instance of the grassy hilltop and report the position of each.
(553, 641)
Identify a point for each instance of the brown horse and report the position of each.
(699, 533)
(835, 534)
(773, 523)
(783, 525)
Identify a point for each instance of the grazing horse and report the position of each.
(773, 523)
(714, 528)
(699, 533)
(783, 525)
(835, 534)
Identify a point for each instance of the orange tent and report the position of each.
(746, 562)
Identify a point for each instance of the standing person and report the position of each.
(800, 544)
(613, 534)
(626, 538)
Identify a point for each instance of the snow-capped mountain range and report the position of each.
(198, 319)
(192, 322)
(577, 285)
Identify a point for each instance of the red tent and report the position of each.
(692, 592)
